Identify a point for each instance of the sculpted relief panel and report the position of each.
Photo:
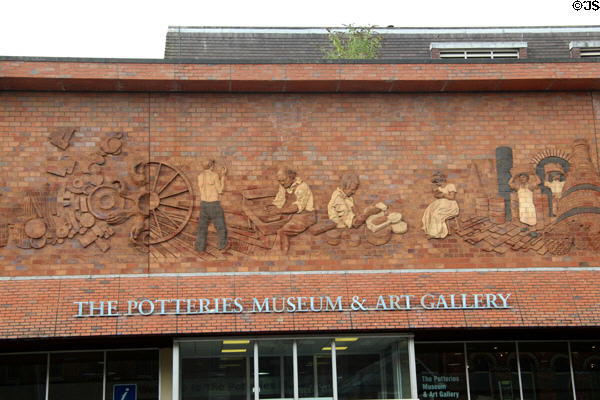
(549, 206)
(154, 200)
(208, 209)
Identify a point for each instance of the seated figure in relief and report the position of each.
(441, 209)
(295, 199)
(341, 206)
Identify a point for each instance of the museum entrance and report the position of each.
(295, 368)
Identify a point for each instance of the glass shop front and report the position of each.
(528, 370)
(342, 367)
(302, 368)
(89, 375)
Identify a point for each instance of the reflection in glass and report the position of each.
(216, 370)
(373, 368)
(314, 368)
(23, 377)
(441, 367)
(545, 371)
(275, 370)
(76, 376)
(586, 367)
(133, 367)
(493, 372)
(367, 368)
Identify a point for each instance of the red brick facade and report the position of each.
(394, 125)
(45, 308)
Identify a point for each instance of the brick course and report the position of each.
(291, 113)
(415, 77)
(44, 308)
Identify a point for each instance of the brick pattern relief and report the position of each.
(108, 183)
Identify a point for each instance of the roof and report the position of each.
(399, 44)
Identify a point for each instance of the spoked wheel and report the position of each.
(167, 202)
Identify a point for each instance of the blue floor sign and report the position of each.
(124, 392)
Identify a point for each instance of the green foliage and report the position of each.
(354, 43)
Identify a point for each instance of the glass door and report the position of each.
(314, 369)
(372, 368)
(304, 368)
(275, 369)
(217, 370)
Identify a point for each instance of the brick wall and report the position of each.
(393, 141)
(45, 308)
(323, 127)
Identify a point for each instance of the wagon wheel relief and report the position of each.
(166, 204)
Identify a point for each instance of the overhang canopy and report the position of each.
(162, 76)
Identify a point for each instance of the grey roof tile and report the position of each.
(399, 44)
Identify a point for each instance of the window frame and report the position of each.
(176, 394)
(584, 48)
(48, 355)
(478, 50)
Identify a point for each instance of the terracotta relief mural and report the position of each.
(440, 210)
(345, 219)
(73, 212)
(154, 199)
(549, 206)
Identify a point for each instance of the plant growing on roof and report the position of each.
(354, 43)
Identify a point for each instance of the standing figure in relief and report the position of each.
(210, 185)
(445, 207)
(294, 198)
(341, 206)
(524, 186)
(555, 185)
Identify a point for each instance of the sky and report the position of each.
(137, 29)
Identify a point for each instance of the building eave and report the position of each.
(288, 77)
